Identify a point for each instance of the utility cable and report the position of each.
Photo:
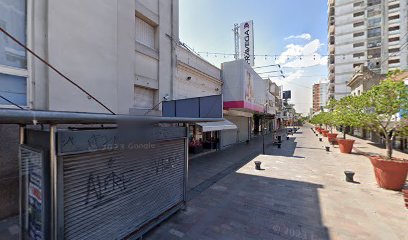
(11, 102)
(55, 70)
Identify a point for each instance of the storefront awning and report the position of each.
(217, 126)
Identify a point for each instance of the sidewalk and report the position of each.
(300, 193)
(364, 146)
(206, 170)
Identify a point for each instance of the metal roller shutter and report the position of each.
(228, 137)
(243, 127)
(109, 194)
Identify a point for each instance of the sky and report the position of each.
(281, 27)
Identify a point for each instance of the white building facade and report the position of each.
(365, 32)
(122, 52)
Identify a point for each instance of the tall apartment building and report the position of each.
(365, 32)
(319, 96)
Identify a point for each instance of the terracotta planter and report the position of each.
(331, 136)
(325, 132)
(389, 174)
(345, 145)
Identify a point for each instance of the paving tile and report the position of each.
(300, 194)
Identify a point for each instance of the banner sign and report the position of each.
(247, 42)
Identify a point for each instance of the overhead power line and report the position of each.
(55, 69)
(11, 102)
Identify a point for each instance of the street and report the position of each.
(301, 193)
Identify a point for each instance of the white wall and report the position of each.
(97, 49)
(195, 77)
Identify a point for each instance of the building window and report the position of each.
(393, 50)
(373, 12)
(374, 32)
(358, 14)
(393, 28)
(374, 42)
(393, 61)
(393, 6)
(360, 44)
(358, 55)
(393, 17)
(393, 39)
(358, 4)
(358, 34)
(374, 22)
(358, 24)
(374, 53)
(13, 58)
(145, 33)
(373, 2)
(143, 98)
(357, 65)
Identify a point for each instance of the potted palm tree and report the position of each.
(386, 114)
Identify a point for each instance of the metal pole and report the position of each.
(53, 171)
(20, 184)
(263, 136)
(186, 164)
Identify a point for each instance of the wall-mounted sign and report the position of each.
(247, 42)
(287, 94)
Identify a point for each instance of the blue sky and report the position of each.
(206, 26)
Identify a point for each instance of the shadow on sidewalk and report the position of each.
(245, 206)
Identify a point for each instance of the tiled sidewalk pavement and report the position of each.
(300, 194)
(204, 171)
(366, 146)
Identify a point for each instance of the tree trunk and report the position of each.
(344, 132)
(388, 143)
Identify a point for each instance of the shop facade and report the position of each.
(245, 100)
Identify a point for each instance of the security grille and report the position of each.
(109, 194)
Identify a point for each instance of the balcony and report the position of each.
(393, 33)
(331, 29)
(331, 67)
(393, 43)
(331, 48)
(331, 77)
(393, 66)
